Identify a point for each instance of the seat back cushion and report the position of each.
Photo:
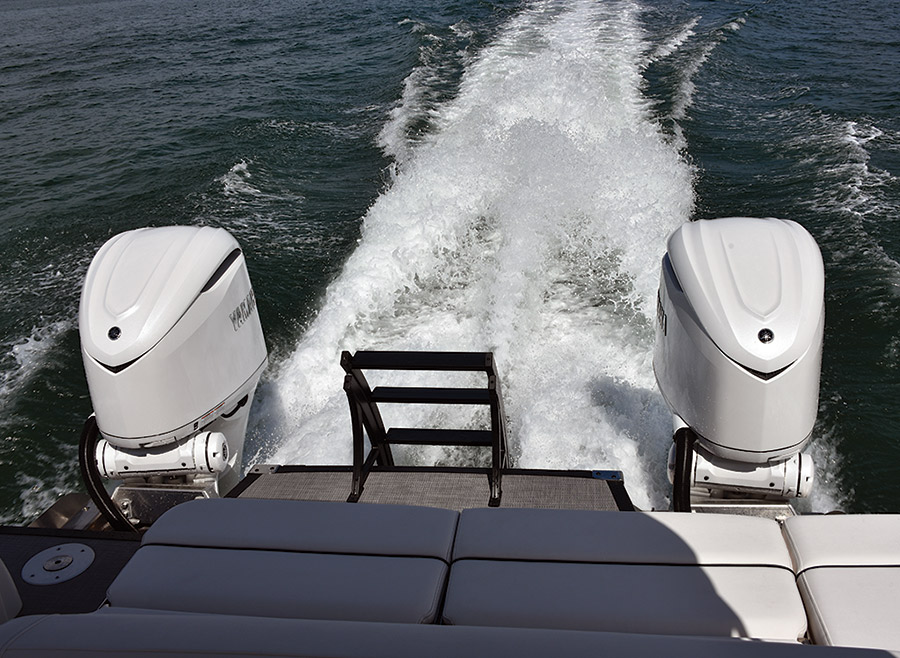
(308, 526)
(848, 570)
(627, 538)
(843, 540)
(296, 559)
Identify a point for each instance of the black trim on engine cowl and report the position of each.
(220, 271)
(120, 368)
(766, 376)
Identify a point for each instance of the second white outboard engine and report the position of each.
(173, 350)
(738, 354)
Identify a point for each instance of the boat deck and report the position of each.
(449, 488)
(84, 593)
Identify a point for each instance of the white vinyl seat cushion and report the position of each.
(10, 601)
(848, 573)
(281, 584)
(148, 634)
(850, 540)
(308, 526)
(666, 573)
(617, 537)
(630, 598)
(292, 559)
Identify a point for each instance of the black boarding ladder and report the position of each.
(366, 418)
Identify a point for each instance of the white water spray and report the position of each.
(530, 223)
(22, 359)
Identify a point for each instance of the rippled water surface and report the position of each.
(463, 176)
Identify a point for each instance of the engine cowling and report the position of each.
(739, 337)
(170, 336)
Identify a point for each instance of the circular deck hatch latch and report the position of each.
(57, 564)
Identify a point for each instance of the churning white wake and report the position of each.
(20, 360)
(531, 222)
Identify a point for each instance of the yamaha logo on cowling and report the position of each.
(243, 311)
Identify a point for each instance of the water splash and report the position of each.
(22, 358)
(530, 222)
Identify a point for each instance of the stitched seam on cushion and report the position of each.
(849, 566)
(809, 602)
(455, 536)
(439, 594)
(793, 550)
(623, 564)
(295, 552)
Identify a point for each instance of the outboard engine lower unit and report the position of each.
(738, 354)
(173, 350)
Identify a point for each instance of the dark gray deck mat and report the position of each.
(305, 485)
(450, 490)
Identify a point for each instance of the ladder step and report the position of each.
(439, 437)
(445, 361)
(419, 395)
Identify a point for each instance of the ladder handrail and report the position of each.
(364, 415)
(436, 361)
(499, 456)
(366, 418)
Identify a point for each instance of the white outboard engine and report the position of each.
(738, 353)
(173, 350)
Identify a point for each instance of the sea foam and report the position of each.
(529, 222)
(22, 358)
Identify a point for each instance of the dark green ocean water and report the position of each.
(465, 175)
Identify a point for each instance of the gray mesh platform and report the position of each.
(447, 488)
